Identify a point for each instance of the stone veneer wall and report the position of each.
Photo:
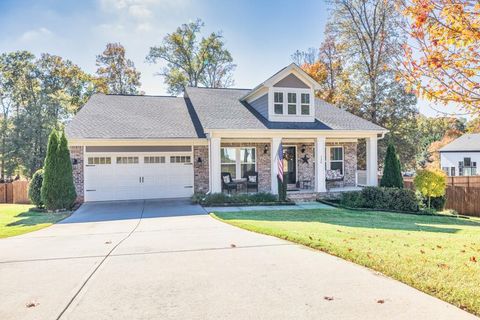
(76, 152)
(263, 163)
(350, 164)
(200, 170)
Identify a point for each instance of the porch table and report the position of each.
(242, 183)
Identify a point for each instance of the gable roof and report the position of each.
(467, 142)
(223, 109)
(133, 117)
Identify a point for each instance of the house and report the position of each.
(460, 157)
(140, 147)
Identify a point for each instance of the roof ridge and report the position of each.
(140, 95)
(218, 88)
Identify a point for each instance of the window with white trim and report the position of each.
(305, 104)
(99, 160)
(238, 160)
(292, 103)
(278, 102)
(336, 159)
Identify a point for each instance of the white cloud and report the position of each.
(35, 34)
(139, 11)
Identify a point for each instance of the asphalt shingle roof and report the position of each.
(153, 117)
(222, 109)
(132, 117)
(467, 142)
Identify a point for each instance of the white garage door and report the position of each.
(131, 176)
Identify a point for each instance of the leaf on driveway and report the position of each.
(328, 298)
(108, 242)
(233, 245)
(381, 301)
(31, 304)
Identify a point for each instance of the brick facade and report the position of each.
(76, 154)
(263, 163)
(200, 169)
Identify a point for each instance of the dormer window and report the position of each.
(278, 103)
(305, 104)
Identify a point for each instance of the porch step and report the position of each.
(302, 196)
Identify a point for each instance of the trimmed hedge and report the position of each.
(382, 198)
(242, 198)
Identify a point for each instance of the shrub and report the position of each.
(381, 198)
(49, 190)
(242, 198)
(34, 188)
(392, 172)
(437, 203)
(66, 187)
(430, 183)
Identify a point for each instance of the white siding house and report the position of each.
(461, 156)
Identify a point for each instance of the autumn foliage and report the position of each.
(442, 58)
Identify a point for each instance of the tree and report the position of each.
(117, 74)
(430, 183)
(442, 60)
(473, 126)
(66, 187)
(50, 190)
(392, 172)
(192, 61)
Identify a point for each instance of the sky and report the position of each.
(260, 34)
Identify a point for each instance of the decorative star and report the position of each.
(305, 159)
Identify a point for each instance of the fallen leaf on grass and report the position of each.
(473, 259)
(381, 301)
(31, 304)
(422, 252)
(339, 230)
(350, 249)
(310, 237)
(462, 251)
(328, 298)
(439, 247)
(443, 266)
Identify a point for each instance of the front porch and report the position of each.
(257, 161)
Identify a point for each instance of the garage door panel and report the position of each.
(150, 178)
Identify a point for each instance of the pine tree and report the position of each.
(49, 189)
(66, 187)
(392, 175)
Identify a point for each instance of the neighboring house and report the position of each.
(140, 147)
(460, 157)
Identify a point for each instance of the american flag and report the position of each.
(280, 162)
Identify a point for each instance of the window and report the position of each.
(292, 103)
(127, 160)
(155, 159)
(278, 102)
(305, 106)
(99, 160)
(336, 159)
(180, 159)
(446, 170)
(467, 167)
(238, 161)
(452, 170)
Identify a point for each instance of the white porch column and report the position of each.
(215, 166)
(320, 185)
(372, 161)
(276, 142)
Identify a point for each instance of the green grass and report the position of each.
(16, 219)
(434, 254)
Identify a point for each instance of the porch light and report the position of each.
(74, 161)
(304, 147)
(199, 160)
(265, 149)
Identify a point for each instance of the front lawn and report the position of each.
(16, 219)
(438, 255)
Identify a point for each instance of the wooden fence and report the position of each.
(463, 194)
(14, 192)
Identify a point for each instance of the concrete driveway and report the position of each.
(170, 260)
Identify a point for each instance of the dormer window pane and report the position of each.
(278, 102)
(305, 108)
(292, 103)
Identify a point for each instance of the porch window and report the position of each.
(336, 159)
(238, 161)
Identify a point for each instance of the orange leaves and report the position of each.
(473, 259)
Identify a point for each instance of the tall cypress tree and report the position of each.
(66, 187)
(49, 190)
(392, 173)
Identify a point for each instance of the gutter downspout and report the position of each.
(209, 163)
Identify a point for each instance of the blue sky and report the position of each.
(261, 34)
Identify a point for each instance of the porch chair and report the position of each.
(227, 182)
(252, 180)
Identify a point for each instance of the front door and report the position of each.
(290, 164)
